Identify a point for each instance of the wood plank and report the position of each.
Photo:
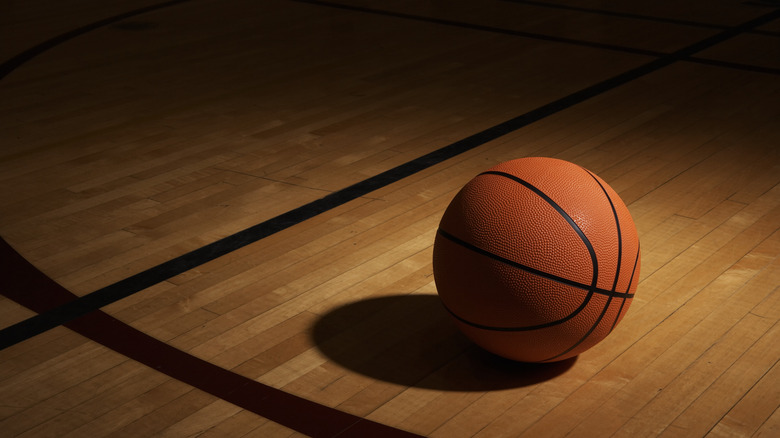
(714, 403)
(750, 413)
(140, 141)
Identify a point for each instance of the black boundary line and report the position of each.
(17, 61)
(607, 13)
(24, 283)
(483, 28)
(550, 38)
(734, 65)
(45, 321)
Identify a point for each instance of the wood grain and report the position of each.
(144, 139)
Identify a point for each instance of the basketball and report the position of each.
(536, 259)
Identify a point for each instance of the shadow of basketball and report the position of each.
(410, 340)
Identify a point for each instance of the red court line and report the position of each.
(22, 282)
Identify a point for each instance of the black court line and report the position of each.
(131, 285)
(608, 13)
(484, 28)
(25, 284)
(17, 61)
(550, 38)
(734, 65)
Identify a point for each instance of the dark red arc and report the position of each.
(22, 282)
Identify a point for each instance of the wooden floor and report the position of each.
(137, 137)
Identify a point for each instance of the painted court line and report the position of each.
(22, 282)
(142, 280)
(25, 284)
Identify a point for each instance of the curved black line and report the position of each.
(514, 264)
(17, 61)
(523, 328)
(594, 261)
(617, 224)
(620, 246)
(585, 336)
(131, 285)
(617, 273)
(591, 289)
(23, 283)
(562, 212)
(564, 40)
(630, 280)
(534, 271)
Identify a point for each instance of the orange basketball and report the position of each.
(537, 259)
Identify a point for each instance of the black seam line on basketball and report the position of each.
(591, 251)
(617, 316)
(623, 303)
(609, 299)
(574, 313)
(17, 61)
(617, 266)
(593, 327)
(115, 292)
(563, 40)
(586, 335)
(617, 273)
(617, 225)
(630, 281)
(531, 270)
(620, 251)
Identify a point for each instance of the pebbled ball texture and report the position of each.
(537, 259)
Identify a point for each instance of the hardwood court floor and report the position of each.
(236, 202)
